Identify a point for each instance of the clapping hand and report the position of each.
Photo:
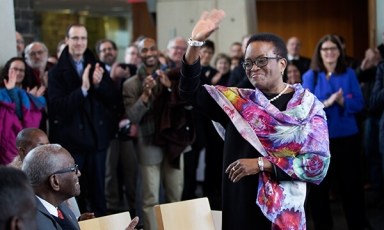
(336, 97)
(97, 75)
(37, 92)
(85, 78)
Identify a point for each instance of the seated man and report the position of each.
(54, 177)
(17, 202)
(26, 140)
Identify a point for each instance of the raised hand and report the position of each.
(208, 22)
(11, 82)
(85, 78)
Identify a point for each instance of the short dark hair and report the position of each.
(73, 25)
(278, 43)
(17, 198)
(101, 41)
(209, 44)
(25, 136)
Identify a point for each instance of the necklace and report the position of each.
(279, 95)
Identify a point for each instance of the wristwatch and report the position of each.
(194, 42)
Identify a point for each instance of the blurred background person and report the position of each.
(18, 108)
(132, 55)
(293, 73)
(294, 48)
(20, 44)
(223, 67)
(238, 77)
(36, 56)
(336, 85)
(17, 201)
(236, 54)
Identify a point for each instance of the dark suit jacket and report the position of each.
(80, 124)
(44, 219)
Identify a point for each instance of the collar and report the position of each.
(108, 68)
(291, 57)
(50, 208)
(78, 62)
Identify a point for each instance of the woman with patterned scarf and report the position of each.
(276, 136)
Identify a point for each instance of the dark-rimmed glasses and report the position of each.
(259, 62)
(332, 49)
(74, 169)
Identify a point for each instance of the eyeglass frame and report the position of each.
(255, 62)
(331, 49)
(74, 168)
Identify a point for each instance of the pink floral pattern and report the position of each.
(295, 140)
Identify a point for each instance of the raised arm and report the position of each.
(207, 24)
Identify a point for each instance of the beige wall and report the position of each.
(177, 18)
(7, 27)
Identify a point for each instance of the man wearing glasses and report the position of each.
(81, 101)
(54, 177)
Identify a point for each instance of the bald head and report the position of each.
(293, 46)
(28, 139)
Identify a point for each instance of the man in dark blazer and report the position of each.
(82, 100)
(293, 47)
(54, 177)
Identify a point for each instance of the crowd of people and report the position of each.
(283, 134)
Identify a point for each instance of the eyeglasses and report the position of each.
(179, 48)
(18, 70)
(74, 169)
(332, 49)
(107, 50)
(35, 53)
(259, 62)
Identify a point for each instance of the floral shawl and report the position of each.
(295, 140)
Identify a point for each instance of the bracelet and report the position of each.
(194, 42)
(260, 162)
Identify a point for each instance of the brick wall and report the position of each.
(24, 19)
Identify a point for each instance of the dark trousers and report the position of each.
(92, 181)
(345, 172)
